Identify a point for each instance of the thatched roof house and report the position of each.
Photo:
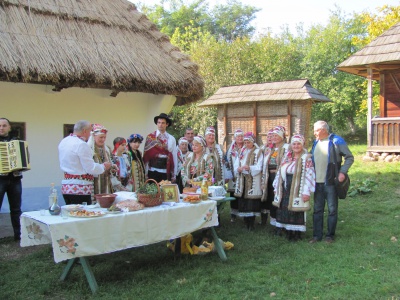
(96, 44)
(380, 61)
(262, 106)
(99, 60)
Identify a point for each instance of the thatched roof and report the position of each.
(383, 53)
(97, 44)
(269, 91)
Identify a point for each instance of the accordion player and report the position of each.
(14, 156)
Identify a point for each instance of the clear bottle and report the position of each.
(204, 189)
(54, 208)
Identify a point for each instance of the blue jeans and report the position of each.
(13, 187)
(325, 193)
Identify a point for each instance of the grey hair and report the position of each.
(81, 126)
(321, 125)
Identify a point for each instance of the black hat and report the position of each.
(163, 116)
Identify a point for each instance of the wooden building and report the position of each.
(262, 106)
(380, 61)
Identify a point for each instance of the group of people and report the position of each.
(274, 180)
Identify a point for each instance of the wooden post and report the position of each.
(255, 119)
(289, 120)
(369, 104)
(225, 124)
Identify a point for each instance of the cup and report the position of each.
(43, 212)
(64, 213)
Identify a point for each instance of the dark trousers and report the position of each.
(325, 194)
(77, 199)
(157, 176)
(13, 187)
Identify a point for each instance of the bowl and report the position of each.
(105, 200)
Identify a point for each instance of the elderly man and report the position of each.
(76, 161)
(160, 151)
(10, 183)
(324, 147)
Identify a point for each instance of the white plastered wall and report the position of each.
(45, 112)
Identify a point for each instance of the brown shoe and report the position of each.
(329, 240)
(313, 240)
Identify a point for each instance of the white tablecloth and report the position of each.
(77, 237)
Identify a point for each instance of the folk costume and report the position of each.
(195, 169)
(295, 177)
(160, 154)
(76, 161)
(181, 160)
(231, 155)
(137, 163)
(218, 155)
(272, 160)
(248, 183)
(122, 177)
(102, 182)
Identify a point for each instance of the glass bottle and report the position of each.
(204, 189)
(54, 208)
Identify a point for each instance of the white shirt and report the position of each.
(76, 158)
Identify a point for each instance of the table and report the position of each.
(75, 239)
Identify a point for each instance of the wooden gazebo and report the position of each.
(380, 61)
(262, 106)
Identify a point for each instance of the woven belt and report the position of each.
(87, 177)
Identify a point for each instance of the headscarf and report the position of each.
(183, 140)
(200, 140)
(238, 132)
(280, 130)
(297, 138)
(97, 129)
(210, 130)
(249, 136)
(117, 144)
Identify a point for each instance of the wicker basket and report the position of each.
(150, 200)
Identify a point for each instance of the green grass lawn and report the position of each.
(363, 263)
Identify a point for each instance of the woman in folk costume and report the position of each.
(121, 181)
(101, 154)
(248, 173)
(293, 185)
(215, 149)
(272, 160)
(198, 164)
(231, 155)
(136, 159)
(182, 153)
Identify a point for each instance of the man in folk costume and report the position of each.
(248, 172)
(182, 153)
(76, 161)
(101, 154)
(215, 149)
(231, 155)
(160, 151)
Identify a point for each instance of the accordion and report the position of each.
(14, 156)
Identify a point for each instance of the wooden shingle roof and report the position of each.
(268, 91)
(383, 53)
(93, 44)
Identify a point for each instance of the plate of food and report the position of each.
(216, 198)
(72, 207)
(86, 214)
(192, 199)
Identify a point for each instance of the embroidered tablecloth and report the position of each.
(78, 237)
